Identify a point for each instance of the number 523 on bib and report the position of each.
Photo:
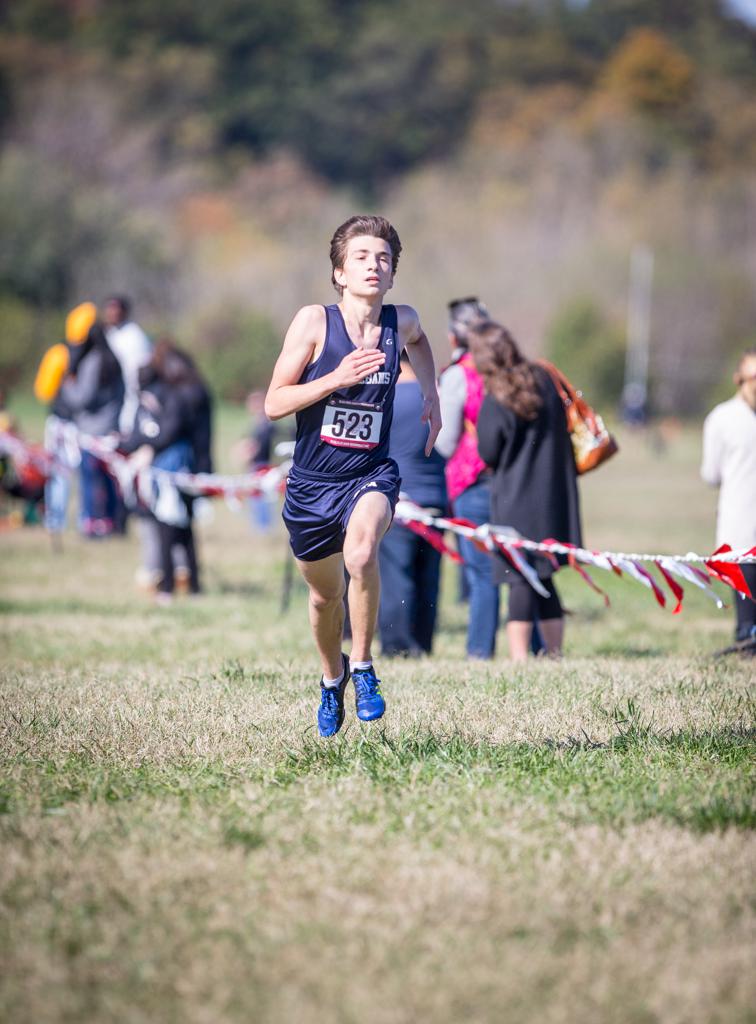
(351, 424)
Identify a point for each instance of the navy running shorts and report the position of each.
(317, 511)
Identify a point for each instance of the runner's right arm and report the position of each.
(306, 335)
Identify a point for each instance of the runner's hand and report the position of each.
(432, 416)
(357, 365)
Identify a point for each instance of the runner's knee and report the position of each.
(360, 559)
(322, 598)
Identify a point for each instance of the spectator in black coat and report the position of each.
(173, 426)
(523, 437)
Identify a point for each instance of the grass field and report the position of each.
(562, 842)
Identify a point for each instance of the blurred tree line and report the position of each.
(112, 110)
(360, 90)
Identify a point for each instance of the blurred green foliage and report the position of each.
(25, 333)
(364, 90)
(55, 235)
(61, 245)
(584, 343)
(236, 348)
(114, 111)
(40, 233)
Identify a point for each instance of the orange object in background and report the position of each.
(52, 370)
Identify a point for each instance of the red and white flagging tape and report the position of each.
(723, 565)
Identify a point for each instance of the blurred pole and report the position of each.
(635, 391)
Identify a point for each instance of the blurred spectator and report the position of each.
(257, 453)
(22, 472)
(467, 476)
(60, 430)
(132, 349)
(410, 567)
(94, 395)
(172, 432)
(634, 406)
(523, 437)
(729, 462)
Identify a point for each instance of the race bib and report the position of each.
(351, 424)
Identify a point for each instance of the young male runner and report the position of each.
(337, 371)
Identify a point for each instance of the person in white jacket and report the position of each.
(729, 462)
(133, 350)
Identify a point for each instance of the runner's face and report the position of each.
(367, 269)
(747, 386)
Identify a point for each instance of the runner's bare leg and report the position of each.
(368, 523)
(325, 581)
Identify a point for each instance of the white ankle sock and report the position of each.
(360, 665)
(331, 684)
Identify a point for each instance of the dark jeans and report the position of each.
(176, 458)
(170, 536)
(745, 608)
(410, 575)
(98, 490)
(475, 504)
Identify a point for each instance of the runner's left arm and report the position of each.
(421, 360)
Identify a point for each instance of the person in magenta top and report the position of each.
(467, 476)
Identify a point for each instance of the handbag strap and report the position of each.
(574, 403)
(564, 389)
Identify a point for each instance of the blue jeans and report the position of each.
(745, 608)
(176, 458)
(410, 575)
(261, 512)
(61, 442)
(57, 490)
(475, 504)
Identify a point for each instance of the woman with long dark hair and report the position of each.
(523, 437)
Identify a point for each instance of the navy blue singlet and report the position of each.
(346, 434)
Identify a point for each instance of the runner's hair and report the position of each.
(506, 373)
(362, 224)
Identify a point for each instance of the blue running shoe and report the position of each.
(331, 710)
(367, 694)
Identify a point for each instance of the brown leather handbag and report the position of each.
(591, 441)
